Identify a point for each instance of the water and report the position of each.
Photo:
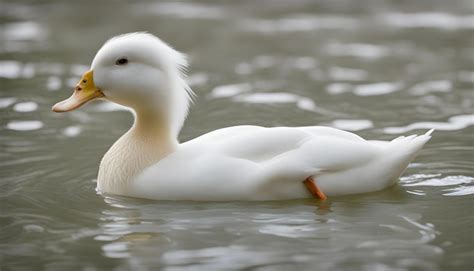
(378, 68)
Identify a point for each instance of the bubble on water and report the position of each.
(377, 88)
(229, 90)
(454, 123)
(352, 125)
(24, 125)
(72, 131)
(25, 107)
(6, 102)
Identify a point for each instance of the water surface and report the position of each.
(379, 69)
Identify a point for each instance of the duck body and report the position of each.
(257, 163)
(143, 73)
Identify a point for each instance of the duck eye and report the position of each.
(121, 61)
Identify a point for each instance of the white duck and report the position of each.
(140, 71)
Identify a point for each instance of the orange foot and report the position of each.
(314, 189)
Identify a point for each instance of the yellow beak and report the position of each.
(84, 91)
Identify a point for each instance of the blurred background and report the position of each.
(377, 68)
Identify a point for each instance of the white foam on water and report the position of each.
(352, 125)
(7, 101)
(72, 131)
(306, 104)
(24, 125)
(377, 88)
(10, 69)
(267, 98)
(229, 90)
(25, 107)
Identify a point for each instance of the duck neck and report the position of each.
(154, 131)
(149, 140)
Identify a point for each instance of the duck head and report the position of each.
(139, 71)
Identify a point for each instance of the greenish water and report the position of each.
(379, 69)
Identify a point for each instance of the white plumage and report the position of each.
(235, 163)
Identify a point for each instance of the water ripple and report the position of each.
(299, 22)
(454, 123)
(431, 86)
(463, 184)
(183, 10)
(443, 21)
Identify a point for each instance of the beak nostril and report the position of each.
(78, 88)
